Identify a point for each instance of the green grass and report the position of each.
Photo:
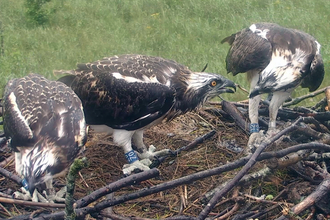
(188, 31)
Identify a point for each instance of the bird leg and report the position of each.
(256, 136)
(25, 195)
(123, 138)
(142, 150)
(50, 194)
(276, 102)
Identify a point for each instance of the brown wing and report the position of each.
(247, 52)
(35, 106)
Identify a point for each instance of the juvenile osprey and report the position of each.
(130, 93)
(277, 60)
(45, 124)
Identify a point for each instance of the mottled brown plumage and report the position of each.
(132, 92)
(277, 60)
(45, 124)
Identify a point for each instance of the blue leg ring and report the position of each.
(254, 128)
(25, 184)
(131, 156)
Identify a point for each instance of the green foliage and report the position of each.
(36, 13)
(186, 31)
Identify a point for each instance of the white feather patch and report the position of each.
(261, 33)
(14, 108)
(199, 79)
(318, 50)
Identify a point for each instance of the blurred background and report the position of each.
(44, 35)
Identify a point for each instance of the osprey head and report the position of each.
(209, 85)
(38, 164)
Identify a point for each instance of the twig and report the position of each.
(5, 195)
(243, 89)
(301, 98)
(322, 190)
(259, 214)
(238, 117)
(243, 171)
(6, 161)
(6, 210)
(327, 96)
(11, 176)
(185, 180)
(29, 203)
(112, 187)
(228, 214)
(77, 165)
(191, 145)
(257, 199)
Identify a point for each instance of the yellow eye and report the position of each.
(213, 83)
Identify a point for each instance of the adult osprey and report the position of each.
(277, 60)
(45, 124)
(129, 93)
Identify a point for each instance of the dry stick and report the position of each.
(301, 98)
(6, 161)
(11, 176)
(322, 190)
(244, 170)
(187, 179)
(29, 203)
(228, 214)
(327, 96)
(238, 117)
(273, 163)
(191, 145)
(263, 212)
(112, 187)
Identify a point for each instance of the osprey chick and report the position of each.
(130, 93)
(277, 60)
(45, 124)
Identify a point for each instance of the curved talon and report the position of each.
(140, 165)
(152, 153)
(25, 195)
(255, 140)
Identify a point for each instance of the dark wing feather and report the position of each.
(42, 106)
(137, 66)
(119, 104)
(247, 52)
(315, 78)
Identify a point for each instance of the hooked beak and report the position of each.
(258, 90)
(228, 86)
(29, 185)
(254, 93)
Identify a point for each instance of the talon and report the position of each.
(152, 153)
(139, 165)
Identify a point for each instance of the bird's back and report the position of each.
(35, 107)
(268, 45)
(125, 92)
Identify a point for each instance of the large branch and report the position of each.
(81, 212)
(301, 98)
(238, 117)
(243, 171)
(322, 190)
(29, 203)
